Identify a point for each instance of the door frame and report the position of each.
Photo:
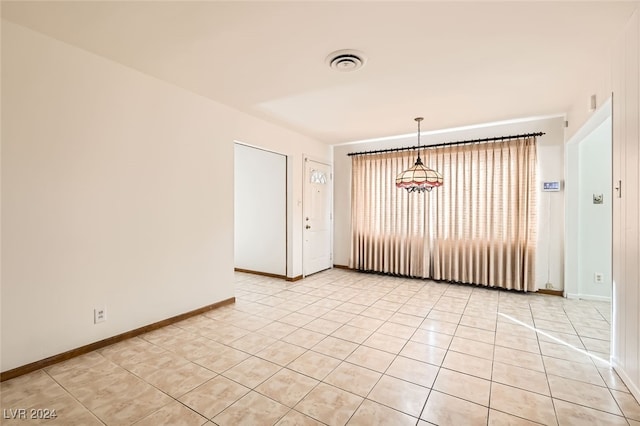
(571, 250)
(306, 158)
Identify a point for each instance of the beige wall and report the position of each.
(117, 191)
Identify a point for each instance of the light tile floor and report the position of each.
(342, 347)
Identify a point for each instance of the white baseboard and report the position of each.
(634, 388)
(588, 297)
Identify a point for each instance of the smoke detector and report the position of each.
(346, 60)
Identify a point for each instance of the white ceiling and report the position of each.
(455, 63)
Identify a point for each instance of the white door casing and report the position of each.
(317, 204)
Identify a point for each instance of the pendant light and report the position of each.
(419, 178)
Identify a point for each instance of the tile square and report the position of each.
(353, 378)
(476, 322)
(314, 364)
(253, 409)
(432, 338)
(413, 371)
(518, 358)
(373, 414)
(523, 378)
(446, 410)
(177, 379)
(222, 361)
(323, 326)
(336, 348)
(573, 370)
(439, 326)
(352, 334)
(612, 379)
(472, 347)
(287, 387)
(521, 403)
(385, 342)
(371, 358)
(368, 323)
(406, 319)
(396, 330)
(377, 313)
(281, 353)
(463, 386)
(583, 393)
(297, 319)
(422, 352)
(214, 396)
(277, 330)
(304, 338)
(295, 418)
(515, 342)
(577, 415)
(468, 364)
(628, 404)
(476, 334)
(569, 353)
(440, 315)
(498, 418)
(329, 404)
(252, 371)
(130, 401)
(173, 413)
(405, 397)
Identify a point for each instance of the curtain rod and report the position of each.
(414, 148)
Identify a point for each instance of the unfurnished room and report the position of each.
(320, 213)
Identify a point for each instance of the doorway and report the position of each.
(317, 206)
(260, 211)
(589, 202)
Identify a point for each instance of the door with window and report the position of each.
(317, 219)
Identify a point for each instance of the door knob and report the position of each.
(308, 227)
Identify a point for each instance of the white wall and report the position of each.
(620, 75)
(117, 190)
(626, 215)
(594, 221)
(549, 260)
(260, 210)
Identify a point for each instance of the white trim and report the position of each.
(596, 119)
(258, 147)
(588, 297)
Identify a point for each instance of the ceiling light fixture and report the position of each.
(419, 178)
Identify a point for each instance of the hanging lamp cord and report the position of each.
(419, 119)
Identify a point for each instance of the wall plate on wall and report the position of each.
(598, 198)
(551, 186)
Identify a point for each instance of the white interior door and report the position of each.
(317, 216)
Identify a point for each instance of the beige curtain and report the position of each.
(478, 228)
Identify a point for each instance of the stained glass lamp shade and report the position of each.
(419, 178)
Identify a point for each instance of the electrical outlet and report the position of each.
(99, 315)
(548, 286)
(598, 277)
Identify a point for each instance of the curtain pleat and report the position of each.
(479, 227)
